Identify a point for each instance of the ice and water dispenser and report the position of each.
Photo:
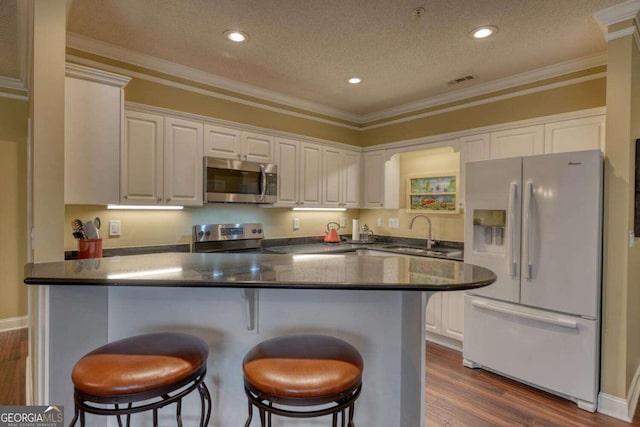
(489, 227)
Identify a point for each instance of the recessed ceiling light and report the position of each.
(483, 32)
(355, 80)
(236, 36)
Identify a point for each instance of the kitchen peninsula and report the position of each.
(233, 301)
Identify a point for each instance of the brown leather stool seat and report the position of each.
(303, 370)
(144, 372)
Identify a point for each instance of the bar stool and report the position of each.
(303, 370)
(141, 373)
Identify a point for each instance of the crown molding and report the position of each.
(616, 14)
(24, 25)
(528, 77)
(94, 75)
(108, 50)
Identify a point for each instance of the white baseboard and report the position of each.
(13, 323)
(617, 407)
(444, 341)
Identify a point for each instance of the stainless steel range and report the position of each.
(227, 238)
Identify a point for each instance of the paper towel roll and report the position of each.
(355, 230)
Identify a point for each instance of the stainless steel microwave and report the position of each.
(235, 181)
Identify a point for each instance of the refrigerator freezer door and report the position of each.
(552, 351)
(492, 223)
(561, 232)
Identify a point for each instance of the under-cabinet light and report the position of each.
(146, 207)
(319, 209)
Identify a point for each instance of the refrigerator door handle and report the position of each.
(543, 318)
(513, 258)
(530, 221)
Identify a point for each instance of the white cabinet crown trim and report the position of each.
(99, 76)
(143, 108)
(449, 138)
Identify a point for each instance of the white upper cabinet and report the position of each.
(586, 133)
(93, 133)
(142, 159)
(524, 141)
(341, 178)
(161, 160)
(299, 173)
(235, 144)
(183, 165)
(380, 181)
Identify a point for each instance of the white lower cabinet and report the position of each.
(445, 315)
(161, 160)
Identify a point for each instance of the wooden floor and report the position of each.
(13, 357)
(459, 396)
(455, 395)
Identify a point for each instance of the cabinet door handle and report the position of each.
(125, 197)
(159, 199)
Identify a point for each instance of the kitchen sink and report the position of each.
(442, 252)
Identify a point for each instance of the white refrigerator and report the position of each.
(537, 223)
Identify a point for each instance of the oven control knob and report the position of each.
(254, 231)
(207, 233)
(200, 234)
(259, 230)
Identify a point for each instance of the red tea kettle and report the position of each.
(332, 233)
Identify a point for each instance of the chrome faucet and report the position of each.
(429, 241)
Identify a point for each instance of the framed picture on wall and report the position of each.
(435, 193)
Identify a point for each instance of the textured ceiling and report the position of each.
(307, 49)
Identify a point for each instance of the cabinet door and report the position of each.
(257, 147)
(373, 179)
(287, 158)
(183, 179)
(472, 149)
(310, 175)
(453, 314)
(222, 142)
(524, 141)
(93, 126)
(575, 135)
(331, 177)
(433, 314)
(142, 159)
(351, 181)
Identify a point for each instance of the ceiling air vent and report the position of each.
(462, 79)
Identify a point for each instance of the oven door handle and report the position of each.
(263, 183)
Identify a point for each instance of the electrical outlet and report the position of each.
(296, 224)
(343, 222)
(114, 228)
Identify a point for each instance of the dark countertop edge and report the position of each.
(261, 285)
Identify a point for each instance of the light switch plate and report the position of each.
(379, 222)
(114, 228)
(296, 224)
(394, 222)
(343, 222)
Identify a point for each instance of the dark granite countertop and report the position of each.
(336, 271)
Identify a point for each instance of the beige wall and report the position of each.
(589, 94)
(148, 228)
(445, 226)
(13, 206)
(621, 275)
(206, 102)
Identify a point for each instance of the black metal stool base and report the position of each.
(144, 402)
(343, 405)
